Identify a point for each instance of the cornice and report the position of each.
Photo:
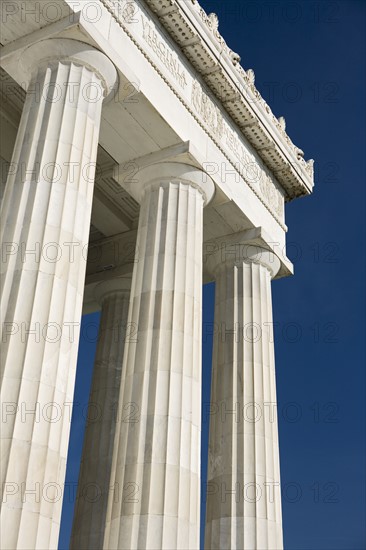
(197, 34)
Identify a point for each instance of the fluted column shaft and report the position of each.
(96, 462)
(45, 225)
(243, 488)
(157, 458)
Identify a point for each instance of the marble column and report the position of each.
(103, 416)
(156, 464)
(243, 508)
(44, 234)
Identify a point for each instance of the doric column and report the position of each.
(96, 462)
(243, 488)
(45, 226)
(157, 459)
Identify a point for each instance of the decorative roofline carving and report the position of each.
(211, 21)
(187, 22)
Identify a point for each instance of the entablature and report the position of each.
(196, 33)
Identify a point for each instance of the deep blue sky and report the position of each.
(309, 60)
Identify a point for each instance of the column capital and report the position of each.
(109, 287)
(163, 173)
(236, 249)
(64, 50)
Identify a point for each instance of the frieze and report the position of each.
(168, 57)
(246, 164)
(206, 108)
